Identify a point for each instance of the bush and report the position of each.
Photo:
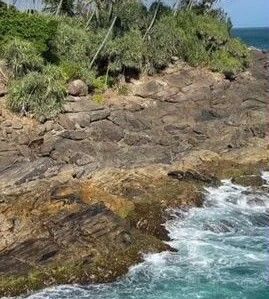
(126, 52)
(76, 45)
(36, 28)
(39, 93)
(72, 71)
(223, 61)
(211, 31)
(194, 52)
(71, 43)
(206, 41)
(238, 50)
(200, 39)
(131, 15)
(22, 57)
(161, 46)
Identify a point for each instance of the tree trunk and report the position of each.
(190, 5)
(103, 42)
(90, 19)
(59, 7)
(176, 7)
(153, 19)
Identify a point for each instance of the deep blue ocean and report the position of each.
(255, 37)
(223, 247)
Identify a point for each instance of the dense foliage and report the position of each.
(42, 93)
(35, 28)
(100, 40)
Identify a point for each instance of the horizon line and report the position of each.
(253, 27)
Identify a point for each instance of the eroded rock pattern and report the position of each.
(93, 184)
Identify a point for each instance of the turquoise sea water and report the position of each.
(222, 253)
(256, 37)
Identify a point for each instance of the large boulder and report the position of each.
(77, 88)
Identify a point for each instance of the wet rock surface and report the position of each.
(98, 179)
(249, 180)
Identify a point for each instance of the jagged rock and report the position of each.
(193, 175)
(148, 89)
(105, 130)
(84, 105)
(136, 139)
(180, 79)
(22, 172)
(72, 121)
(249, 180)
(73, 134)
(99, 115)
(78, 88)
(82, 159)
(253, 103)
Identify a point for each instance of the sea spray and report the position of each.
(222, 253)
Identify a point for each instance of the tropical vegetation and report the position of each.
(99, 41)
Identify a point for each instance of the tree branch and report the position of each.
(103, 42)
(153, 19)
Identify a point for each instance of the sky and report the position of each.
(247, 13)
(244, 13)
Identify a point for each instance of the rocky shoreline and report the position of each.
(84, 195)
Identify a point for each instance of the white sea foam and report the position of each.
(222, 253)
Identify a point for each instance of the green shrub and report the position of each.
(36, 28)
(194, 52)
(164, 41)
(39, 93)
(22, 57)
(71, 44)
(206, 41)
(238, 50)
(100, 84)
(223, 61)
(211, 31)
(72, 71)
(126, 52)
(131, 15)
(74, 44)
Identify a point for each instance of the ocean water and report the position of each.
(256, 37)
(223, 252)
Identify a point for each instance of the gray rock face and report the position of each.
(189, 109)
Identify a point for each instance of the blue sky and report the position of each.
(247, 13)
